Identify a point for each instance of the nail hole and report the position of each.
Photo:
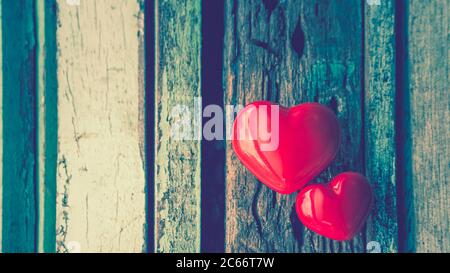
(270, 5)
(298, 39)
(333, 104)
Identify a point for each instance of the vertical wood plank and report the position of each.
(428, 65)
(380, 149)
(291, 52)
(177, 162)
(47, 124)
(101, 199)
(19, 124)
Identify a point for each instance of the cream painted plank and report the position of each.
(177, 162)
(101, 198)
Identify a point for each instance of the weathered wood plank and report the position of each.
(101, 197)
(428, 65)
(290, 52)
(380, 149)
(47, 124)
(19, 124)
(177, 162)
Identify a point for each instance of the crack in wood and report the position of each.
(298, 39)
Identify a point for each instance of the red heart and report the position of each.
(307, 137)
(338, 209)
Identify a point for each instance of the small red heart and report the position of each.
(338, 209)
(307, 138)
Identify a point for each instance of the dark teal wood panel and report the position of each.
(19, 127)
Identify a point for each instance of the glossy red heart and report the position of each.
(287, 150)
(338, 209)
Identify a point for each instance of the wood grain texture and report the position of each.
(101, 198)
(380, 145)
(428, 66)
(47, 124)
(19, 124)
(291, 52)
(177, 162)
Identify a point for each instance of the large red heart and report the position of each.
(307, 135)
(338, 209)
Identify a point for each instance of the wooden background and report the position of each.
(88, 87)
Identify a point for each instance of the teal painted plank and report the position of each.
(19, 124)
(177, 162)
(47, 124)
(380, 149)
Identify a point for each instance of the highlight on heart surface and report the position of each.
(338, 209)
(301, 142)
